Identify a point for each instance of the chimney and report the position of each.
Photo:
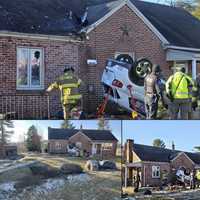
(173, 146)
(129, 150)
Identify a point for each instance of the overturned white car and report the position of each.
(123, 82)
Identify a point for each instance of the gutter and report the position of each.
(181, 48)
(40, 37)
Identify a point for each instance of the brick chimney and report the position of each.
(173, 146)
(129, 151)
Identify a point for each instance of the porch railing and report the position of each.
(24, 107)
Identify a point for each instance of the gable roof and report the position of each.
(157, 154)
(95, 135)
(43, 17)
(178, 26)
(172, 25)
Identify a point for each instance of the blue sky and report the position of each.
(21, 127)
(185, 134)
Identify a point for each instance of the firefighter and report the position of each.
(181, 91)
(68, 84)
(152, 92)
(192, 180)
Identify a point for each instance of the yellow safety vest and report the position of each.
(180, 86)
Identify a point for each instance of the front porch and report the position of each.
(190, 60)
(102, 150)
(132, 175)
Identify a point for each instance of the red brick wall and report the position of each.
(107, 39)
(53, 149)
(57, 55)
(182, 161)
(107, 154)
(86, 143)
(147, 173)
(103, 42)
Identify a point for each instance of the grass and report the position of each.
(101, 185)
(15, 174)
(56, 161)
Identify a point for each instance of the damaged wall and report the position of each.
(110, 37)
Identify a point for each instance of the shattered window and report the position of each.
(29, 68)
(35, 67)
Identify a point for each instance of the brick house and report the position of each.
(91, 142)
(38, 40)
(8, 150)
(150, 162)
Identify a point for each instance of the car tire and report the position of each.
(139, 71)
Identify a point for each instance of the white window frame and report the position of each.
(29, 86)
(155, 169)
(107, 146)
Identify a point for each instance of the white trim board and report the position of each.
(181, 48)
(81, 133)
(39, 36)
(137, 12)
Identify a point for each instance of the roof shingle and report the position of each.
(64, 134)
(157, 154)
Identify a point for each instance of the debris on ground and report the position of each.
(107, 164)
(23, 184)
(92, 165)
(44, 170)
(70, 169)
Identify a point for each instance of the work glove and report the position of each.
(194, 105)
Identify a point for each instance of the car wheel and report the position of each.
(139, 71)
